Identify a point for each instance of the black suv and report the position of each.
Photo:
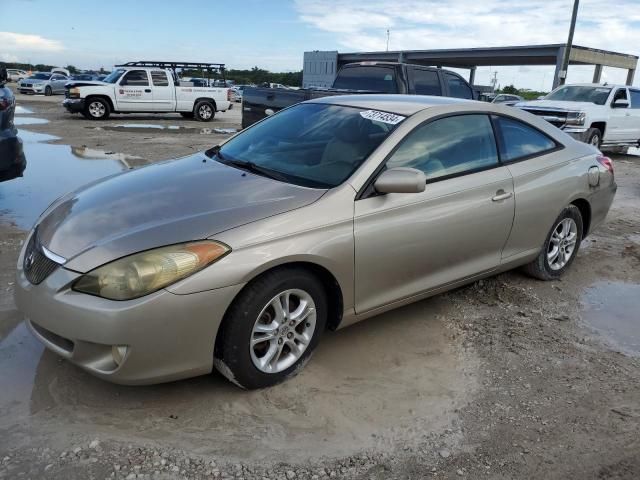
(12, 161)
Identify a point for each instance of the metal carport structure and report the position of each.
(320, 66)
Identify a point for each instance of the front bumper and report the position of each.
(167, 336)
(73, 105)
(32, 89)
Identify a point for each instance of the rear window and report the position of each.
(372, 78)
(425, 82)
(159, 78)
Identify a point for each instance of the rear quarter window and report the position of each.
(519, 140)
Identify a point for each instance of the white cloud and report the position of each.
(12, 43)
(433, 24)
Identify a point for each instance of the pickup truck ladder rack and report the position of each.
(202, 66)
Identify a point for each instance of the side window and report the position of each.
(635, 98)
(449, 146)
(519, 140)
(426, 82)
(159, 78)
(621, 94)
(135, 78)
(457, 86)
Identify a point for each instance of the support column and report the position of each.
(597, 73)
(401, 57)
(557, 74)
(472, 75)
(630, 74)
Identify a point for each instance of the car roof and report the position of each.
(400, 104)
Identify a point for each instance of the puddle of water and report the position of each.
(142, 127)
(20, 110)
(379, 383)
(29, 121)
(52, 171)
(611, 309)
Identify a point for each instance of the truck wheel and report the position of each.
(48, 91)
(187, 114)
(96, 109)
(594, 137)
(204, 111)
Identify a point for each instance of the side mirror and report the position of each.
(620, 103)
(401, 180)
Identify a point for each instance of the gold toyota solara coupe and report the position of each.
(322, 215)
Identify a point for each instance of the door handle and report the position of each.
(147, 90)
(502, 195)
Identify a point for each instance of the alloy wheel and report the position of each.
(97, 109)
(283, 331)
(205, 112)
(562, 243)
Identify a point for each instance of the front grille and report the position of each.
(28, 85)
(36, 265)
(557, 118)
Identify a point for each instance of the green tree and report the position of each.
(510, 89)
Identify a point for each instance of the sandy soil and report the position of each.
(500, 379)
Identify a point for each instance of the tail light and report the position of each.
(229, 95)
(606, 162)
(4, 104)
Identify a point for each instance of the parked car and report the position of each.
(236, 94)
(507, 99)
(12, 161)
(86, 77)
(606, 116)
(327, 213)
(16, 75)
(364, 77)
(41, 82)
(141, 88)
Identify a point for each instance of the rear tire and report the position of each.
(560, 247)
(204, 111)
(96, 109)
(47, 91)
(271, 329)
(594, 137)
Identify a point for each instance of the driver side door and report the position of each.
(133, 93)
(407, 244)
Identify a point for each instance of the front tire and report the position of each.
(47, 91)
(204, 111)
(271, 329)
(96, 109)
(594, 137)
(560, 248)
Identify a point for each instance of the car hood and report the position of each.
(84, 83)
(171, 202)
(556, 105)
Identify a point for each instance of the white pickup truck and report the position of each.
(606, 116)
(147, 87)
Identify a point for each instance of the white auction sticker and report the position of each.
(384, 117)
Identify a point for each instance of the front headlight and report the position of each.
(74, 92)
(146, 272)
(576, 118)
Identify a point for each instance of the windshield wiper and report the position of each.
(253, 168)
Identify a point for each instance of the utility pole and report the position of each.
(387, 39)
(567, 50)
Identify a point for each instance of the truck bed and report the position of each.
(256, 100)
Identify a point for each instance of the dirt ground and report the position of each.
(508, 378)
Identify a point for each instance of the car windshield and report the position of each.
(40, 76)
(114, 76)
(574, 93)
(313, 145)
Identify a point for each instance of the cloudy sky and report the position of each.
(273, 33)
